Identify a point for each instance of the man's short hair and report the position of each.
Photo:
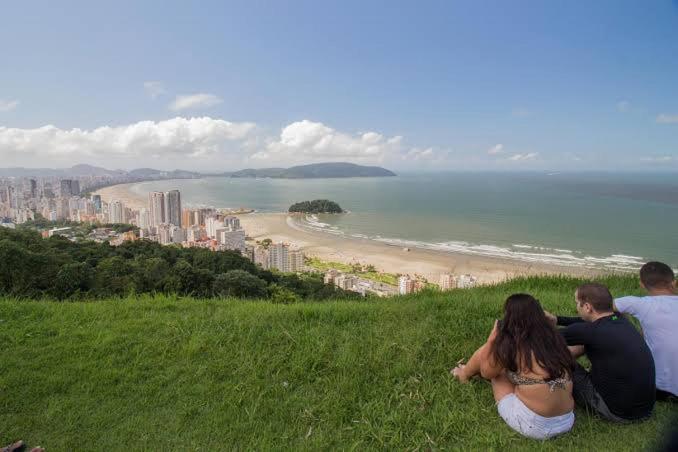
(656, 275)
(597, 295)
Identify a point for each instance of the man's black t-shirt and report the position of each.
(622, 368)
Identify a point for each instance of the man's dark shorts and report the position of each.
(585, 395)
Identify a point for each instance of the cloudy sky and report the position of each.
(407, 85)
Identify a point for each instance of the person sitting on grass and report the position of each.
(620, 387)
(658, 317)
(530, 368)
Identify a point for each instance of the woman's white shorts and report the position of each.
(528, 423)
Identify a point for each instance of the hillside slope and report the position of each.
(163, 373)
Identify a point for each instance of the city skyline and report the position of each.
(432, 87)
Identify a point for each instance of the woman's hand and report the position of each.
(494, 332)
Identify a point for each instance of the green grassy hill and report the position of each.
(165, 373)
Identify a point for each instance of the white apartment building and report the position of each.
(447, 281)
(232, 239)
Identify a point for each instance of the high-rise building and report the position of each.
(173, 207)
(278, 257)
(296, 261)
(164, 234)
(212, 224)
(69, 187)
(194, 234)
(177, 233)
(96, 199)
(156, 207)
(116, 212)
(33, 188)
(405, 285)
(230, 239)
(10, 194)
(232, 222)
(187, 218)
(447, 281)
(143, 220)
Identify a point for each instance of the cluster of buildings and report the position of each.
(449, 281)
(355, 283)
(406, 283)
(164, 220)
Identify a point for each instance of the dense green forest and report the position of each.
(57, 268)
(316, 206)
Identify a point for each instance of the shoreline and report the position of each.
(386, 257)
(389, 258)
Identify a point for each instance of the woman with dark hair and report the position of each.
(530, 368)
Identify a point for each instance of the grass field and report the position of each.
(164, 373)
(323, 266)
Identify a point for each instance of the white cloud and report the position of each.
(185, 137)
(659, 159)
(308, 141)
(667, 119)
(154, 89)
(623, 106)
(193, 101)
(521, 157)
(8, 105)
(420, 154)
(496, 149)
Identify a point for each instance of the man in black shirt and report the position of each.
(621, 384)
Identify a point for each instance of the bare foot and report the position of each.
(459, 374)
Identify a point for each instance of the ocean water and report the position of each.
(614, 221)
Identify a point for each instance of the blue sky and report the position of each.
(418, 85)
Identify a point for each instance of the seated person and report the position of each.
(620, 386)
(658, 317)
(530, 368)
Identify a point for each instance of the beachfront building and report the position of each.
(173, 207)
(466, 281)
(232, 239)
(408, 285)
(156, 207)
(116, 212)
(447, 281)
(405, 285)
(278, 256)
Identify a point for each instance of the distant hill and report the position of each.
(316, 171)
(83, 170)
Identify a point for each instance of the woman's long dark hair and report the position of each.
(525, 333)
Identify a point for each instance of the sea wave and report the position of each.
(519, 251)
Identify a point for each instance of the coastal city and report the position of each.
(64, 202)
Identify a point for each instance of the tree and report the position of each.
(282, 295)
(114, 277)
(240, 284)
(72, 280)
(150, 274)
(316, 206)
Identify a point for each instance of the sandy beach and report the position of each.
(389, 258)
(124, 194)
(385, 257)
